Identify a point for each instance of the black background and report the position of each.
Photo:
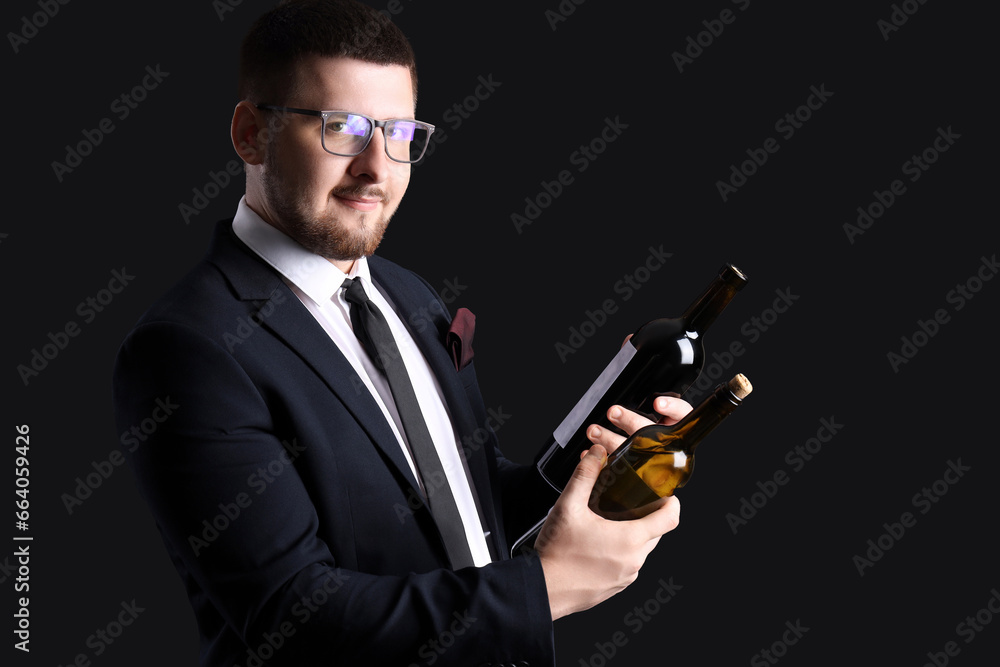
(824, 357)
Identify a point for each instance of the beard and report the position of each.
(325, 233)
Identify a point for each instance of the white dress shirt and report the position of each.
(317, 284)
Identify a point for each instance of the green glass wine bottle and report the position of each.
(656, 460)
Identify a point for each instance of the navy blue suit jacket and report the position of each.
(283, 497)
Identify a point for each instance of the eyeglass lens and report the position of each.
(347, 134)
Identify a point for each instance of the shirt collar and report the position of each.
(314, 275)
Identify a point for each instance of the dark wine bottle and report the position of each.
(662, 358)
(656, 460)
(653, 462)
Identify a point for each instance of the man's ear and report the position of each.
(248, 131)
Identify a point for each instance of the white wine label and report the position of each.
(586, 404)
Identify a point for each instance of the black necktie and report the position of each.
(376, 338)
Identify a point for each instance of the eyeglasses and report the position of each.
(348, 134)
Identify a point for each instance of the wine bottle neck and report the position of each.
(707, 307)
(706, 416)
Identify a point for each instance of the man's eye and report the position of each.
(356, 126)
(402, 131)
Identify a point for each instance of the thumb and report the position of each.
(581, 483)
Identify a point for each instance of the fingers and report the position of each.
(581, 483)
(606, 438)
(626, 420)
(672, 409)
(663, 519)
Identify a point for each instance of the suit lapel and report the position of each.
(255, 281)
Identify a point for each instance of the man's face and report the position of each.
(337, 207)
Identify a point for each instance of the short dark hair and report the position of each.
(296, 29)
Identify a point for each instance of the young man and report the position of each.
(310, 519)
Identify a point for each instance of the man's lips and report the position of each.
(367, 201)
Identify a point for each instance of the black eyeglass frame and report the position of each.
(375, 124)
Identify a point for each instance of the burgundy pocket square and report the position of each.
(459, 338)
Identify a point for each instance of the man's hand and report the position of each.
(671, 409)
(586, 558)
